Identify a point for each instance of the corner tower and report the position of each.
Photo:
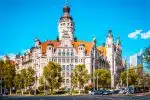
(66, 23)
(110, 55)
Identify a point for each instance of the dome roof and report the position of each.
(66, 9)
(66, 15)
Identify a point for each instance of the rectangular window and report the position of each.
(76, 60)
(63, 60)
(72, 60)
(59, 60)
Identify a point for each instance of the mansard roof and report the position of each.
(55, 43)
(88, 46)
(44, 45)
(102, 50)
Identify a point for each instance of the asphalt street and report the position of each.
(89, 97)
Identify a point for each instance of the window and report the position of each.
(63, 60)
(63, 67)
(63, 23)
(68, 23)
(67, 60)
(67, 80)
(63, 74)
(72, 67)
(49, 48)
(72, 53)
(59, 53)
(68, 74)
(81, 60)
(76, 60)
(59, 60)
(67, 53)
(67, 67)
(72, 60)
(63, 53)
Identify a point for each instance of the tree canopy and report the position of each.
(80, 76)
(104, 78)
(52, 74)
(133, 77)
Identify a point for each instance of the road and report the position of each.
(89, 97)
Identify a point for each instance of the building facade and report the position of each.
(67, 51)
(136, 60)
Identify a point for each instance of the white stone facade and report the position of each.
(69, 52)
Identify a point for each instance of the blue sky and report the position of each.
(23, 20)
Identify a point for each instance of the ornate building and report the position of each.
(67, 51)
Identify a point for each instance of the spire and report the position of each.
(110, 33)
(118, 41)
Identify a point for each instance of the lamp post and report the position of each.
(44, 85)
(97, 81)
(35, 80)
(1, 81)
(127, 72)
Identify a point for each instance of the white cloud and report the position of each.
(10, 55)
(24, 51)
(135, 34)
(139, 33)
(145, 35)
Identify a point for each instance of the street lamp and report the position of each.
(127, 72)
(44, 85)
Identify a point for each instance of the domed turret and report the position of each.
(66, 23)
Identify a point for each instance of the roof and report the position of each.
(88, 46)
(102, 50)
(45, 44)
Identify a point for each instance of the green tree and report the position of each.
(30, 77)
(146, 58)
(52, 74)
(17, 81)
(104, 78)
(133, 77)
(146, 54)
(8, 74)
(1, 74)
(80, 76)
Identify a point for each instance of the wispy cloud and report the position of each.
(24, 51)
(145, 35)
(139, 33)
(10, 55)
(134, 34)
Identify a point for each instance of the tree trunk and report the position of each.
(10, 90)
(79, 90)
(22, 91)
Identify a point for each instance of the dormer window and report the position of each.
(50, 48)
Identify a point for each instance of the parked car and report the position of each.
(99, 92)
(107, 92)
(122, 91)
(116, 91)
(91, 92)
